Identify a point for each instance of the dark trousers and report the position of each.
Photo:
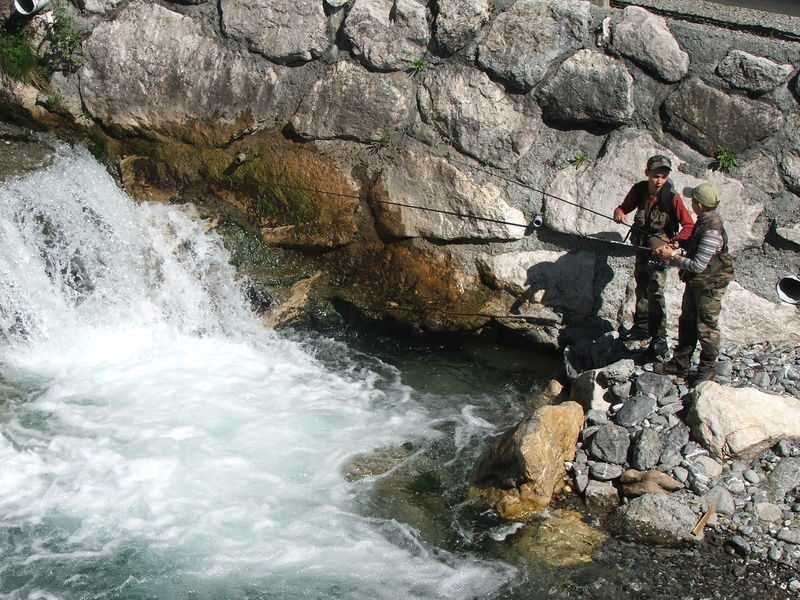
(699, 318)
(651, 309)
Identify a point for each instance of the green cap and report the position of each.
(659, 161)
(706, 194)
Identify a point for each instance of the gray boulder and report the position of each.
(388, 34)
(477, 115)
(140, 72)
(752, 73)
(784, 478)
(710, 119)
(658, 518)
(284, 32)
(610, 444)
(646, 450)
(457, 22)
(526, 38)
(589, 87)
(652, 384)
(604, 471)
(646, 40)
(790, 168)
(352, 103)
(601, 497)
(434, 183)
(635, 410)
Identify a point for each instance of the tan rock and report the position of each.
(293, 307)
(524, 468)
(561, 540)
(741, 422)
(637, 483)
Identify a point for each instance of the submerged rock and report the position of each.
(560, 540)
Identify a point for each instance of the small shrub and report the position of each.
(418, 65)
(725, 160)
(579, 159)
(66, 52)
(380, 144)
(17, 58)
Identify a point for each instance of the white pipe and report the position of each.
(28, 7)
(789, 289)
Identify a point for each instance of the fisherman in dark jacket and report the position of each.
(661, 218)
(706, 267)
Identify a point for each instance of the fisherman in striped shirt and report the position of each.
(706, 267)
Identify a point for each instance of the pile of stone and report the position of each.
(654, 456)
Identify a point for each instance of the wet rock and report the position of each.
(637, 483)
(601, 497)
(733, 123)
(739, 545)
(282, 32)
(529, 35)
(721, 499)
(477, 115)
(646, 450)
(387, 35)
(588, 87)
(635, 410)
(376, 463)
(646, 40)
(561, 540)
(432, 182)
(352, 103)
(457, 22)
(521, 471)
(741, 422)
(658, 518)
(604, 471)
(752, 73)
(610, 444)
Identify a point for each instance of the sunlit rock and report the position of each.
(752, 73)
(458, 21)
(522, 470)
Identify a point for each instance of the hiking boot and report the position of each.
(671, 368)
(635, 334)
(657, 350)
(703, 374)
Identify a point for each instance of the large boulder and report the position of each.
(457, 22)
(602, 186)
(746, 317)
(560, 281)
(388, 35)
(531, 34)
(284, 32)
(710, 119)
(433, 183)
(477, 115)
(752, 73)
(658, 518)
(140, 73)
(352, 103)
(524, 468)
(740, 423)
(646, 40)
(588, 88)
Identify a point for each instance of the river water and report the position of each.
(157, 442)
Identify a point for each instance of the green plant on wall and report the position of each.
(725, 160)
(418, 65)
(17, 58)
(65, 41)
(579, 159)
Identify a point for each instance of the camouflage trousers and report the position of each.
(651, 309)
(699, 318)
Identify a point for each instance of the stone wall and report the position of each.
(486, 109)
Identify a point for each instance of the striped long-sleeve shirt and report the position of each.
(709, 245)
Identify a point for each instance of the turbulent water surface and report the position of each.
(157, 442)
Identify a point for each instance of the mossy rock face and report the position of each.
(288, 194)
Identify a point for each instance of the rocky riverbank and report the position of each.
(654, 456)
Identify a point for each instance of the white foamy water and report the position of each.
(155, 442)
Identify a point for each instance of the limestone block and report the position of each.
(526, 38)
(741, 422)
(752, 73)
(458, 21)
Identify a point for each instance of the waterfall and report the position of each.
(156, 442)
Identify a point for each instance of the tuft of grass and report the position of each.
(17, 58)
(416, 66)
(579, 159)
(380, 143)
(725, 160)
